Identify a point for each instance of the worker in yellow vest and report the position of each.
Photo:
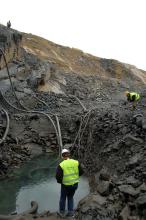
(132, 97)
(67, 174)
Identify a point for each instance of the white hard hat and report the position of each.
(65, 151)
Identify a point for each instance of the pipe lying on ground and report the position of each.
(79, 101)
(7, 126)
(137, 115)
(32, 112)
(32, 210)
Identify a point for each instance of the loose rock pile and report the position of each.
(114, 155)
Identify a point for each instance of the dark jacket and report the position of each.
(59, 173)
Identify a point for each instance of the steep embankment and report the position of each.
(86, 93)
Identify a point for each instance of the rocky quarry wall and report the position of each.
(10, 42)
(105, 135)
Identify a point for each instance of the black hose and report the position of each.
(11, 83)
(32, 210)
(24, 108)
(33, 112)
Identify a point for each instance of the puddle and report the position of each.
(35, 181)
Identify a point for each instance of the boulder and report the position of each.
(141, 202)
(128, 189)
(130, 140)
(132, 181)
(134, 161)
(124, 213)
(92, 199)
(104, 188)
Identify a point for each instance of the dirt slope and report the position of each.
(71, 59)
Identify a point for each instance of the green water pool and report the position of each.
(35, 180)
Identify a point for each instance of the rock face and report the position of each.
(97, 124)
(10, 42)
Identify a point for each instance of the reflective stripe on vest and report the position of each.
(136, 95)
(70, 169)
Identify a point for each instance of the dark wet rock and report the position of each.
(96, 199)
(144, 214)
(94, 205)
(104, 175)
(124, 213)
(124, 131)
(132, 181)
(128, 190)
(130, 140)
(141, 202)
(142, 188)
(104, 188)
(139, 122)
(144, 123)
(134, 161)
(34, 149)
(144, 175)
(133, 218)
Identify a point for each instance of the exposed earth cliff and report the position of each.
(42, 82)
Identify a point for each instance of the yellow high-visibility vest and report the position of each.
(136, 94)
(70, 171)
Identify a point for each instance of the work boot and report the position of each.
(70, 214)
(61, 214)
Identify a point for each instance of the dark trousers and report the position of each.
(67, 192)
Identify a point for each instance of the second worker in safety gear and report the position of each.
(133, 97)
(67, 174)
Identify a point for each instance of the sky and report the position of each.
(113, 29)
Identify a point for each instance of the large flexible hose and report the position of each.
(25, 109)
(32, 210)
(59, 136)
(7, 126)
(80, 128)
(11, 83)
(79, 101)
(33, 112)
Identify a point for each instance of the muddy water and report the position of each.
(35, 181)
